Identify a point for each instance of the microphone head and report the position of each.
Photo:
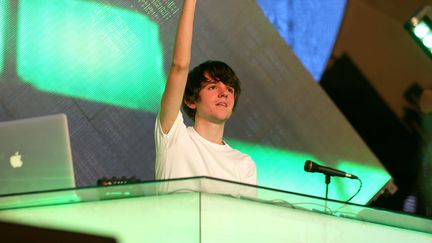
(310, 166)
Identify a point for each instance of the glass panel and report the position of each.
(207, 210)
(316, 205)
(143, 212)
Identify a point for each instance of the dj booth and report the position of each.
(206, 210)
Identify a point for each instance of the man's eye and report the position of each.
(231, 90)
(212, 87)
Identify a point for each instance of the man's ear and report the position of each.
(190, 104)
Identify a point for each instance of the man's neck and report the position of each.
(213, 132)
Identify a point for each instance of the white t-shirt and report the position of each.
(184, 153)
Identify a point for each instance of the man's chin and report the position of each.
(222, 118)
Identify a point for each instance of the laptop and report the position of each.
(35, 155)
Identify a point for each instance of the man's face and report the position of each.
(216, 102)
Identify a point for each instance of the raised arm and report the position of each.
(173, 95)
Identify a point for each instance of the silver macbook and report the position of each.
(35, 155)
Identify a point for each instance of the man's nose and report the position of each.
(223, 92)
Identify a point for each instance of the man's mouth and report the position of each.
(224, 104)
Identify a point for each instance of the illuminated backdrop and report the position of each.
(104, 64)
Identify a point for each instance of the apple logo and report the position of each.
(15, 160)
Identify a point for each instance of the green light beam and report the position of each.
(91, 51)
(3, 22)
(284, 170)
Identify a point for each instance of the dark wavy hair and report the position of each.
(217, 70)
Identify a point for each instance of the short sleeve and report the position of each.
(161, 138)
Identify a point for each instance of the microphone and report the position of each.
(314, 167)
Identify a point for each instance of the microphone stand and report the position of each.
(327, 182)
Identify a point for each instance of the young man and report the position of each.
(209, 94)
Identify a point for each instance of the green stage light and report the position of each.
(420, 27)
(92, 51)
(3, 18)
(421, 30)
(427, 40)
(284, 169)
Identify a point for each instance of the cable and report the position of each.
(361, 184)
